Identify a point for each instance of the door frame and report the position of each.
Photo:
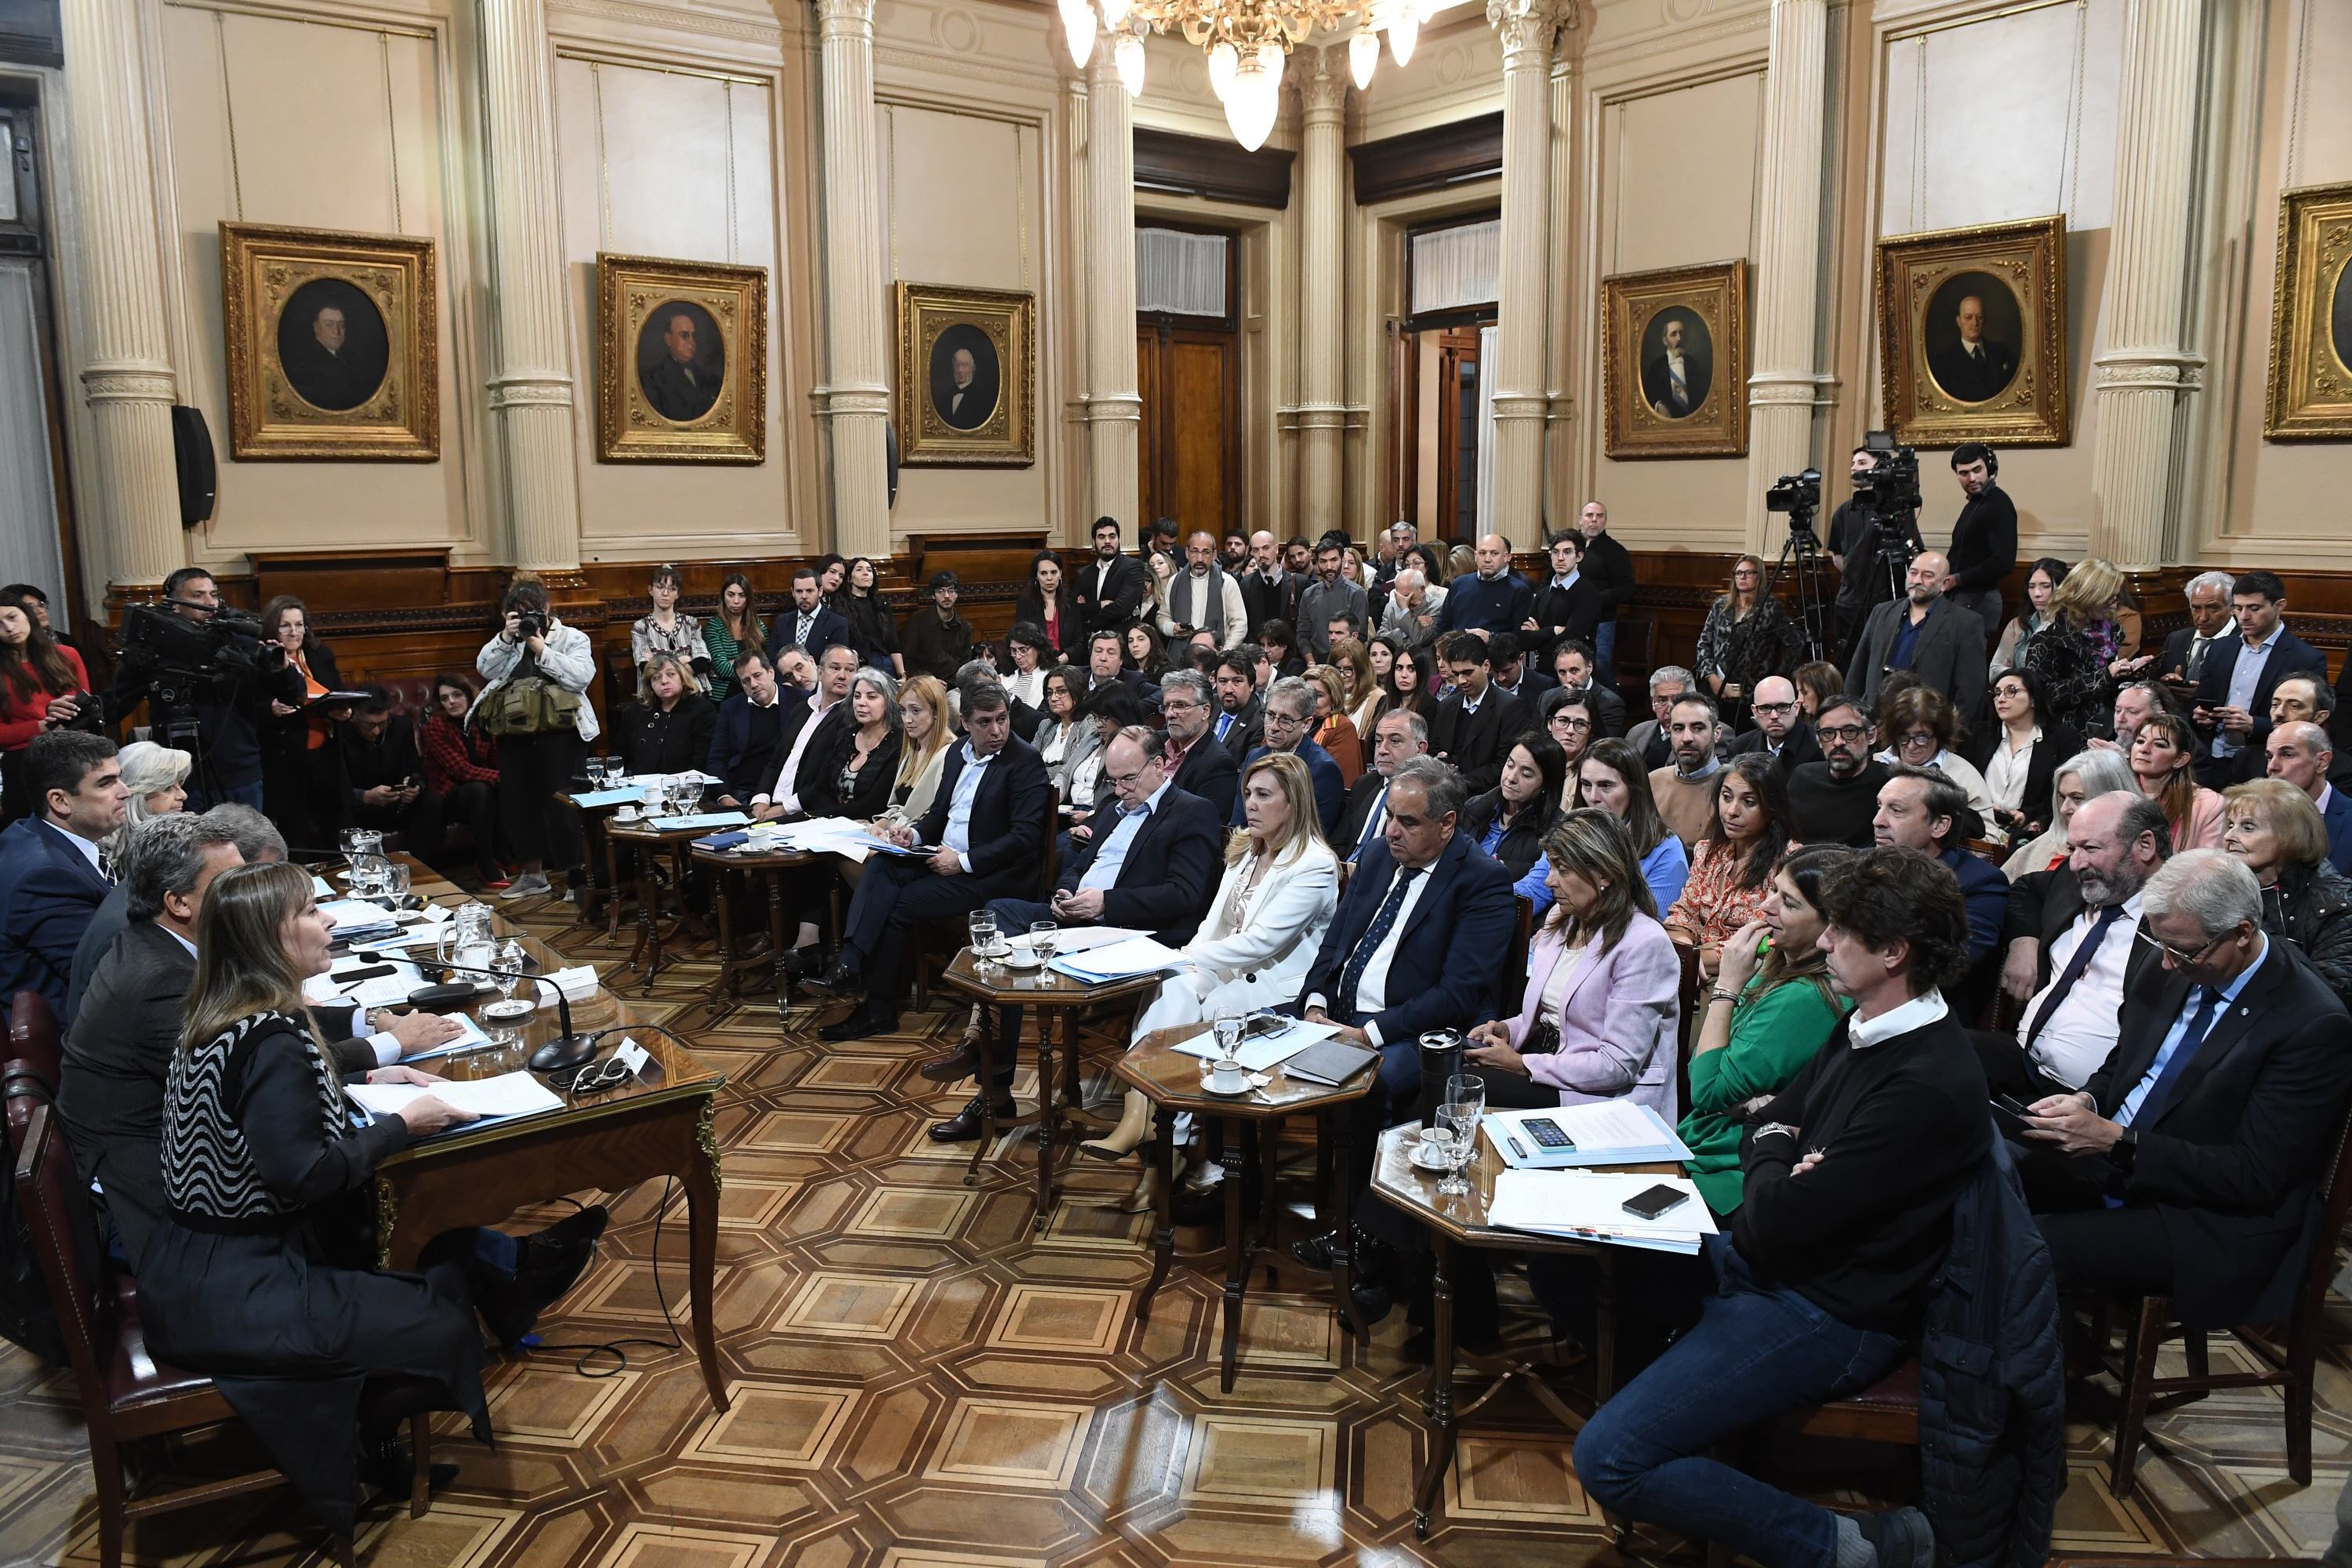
(1156, 465)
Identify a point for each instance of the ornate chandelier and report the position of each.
(1248, 42)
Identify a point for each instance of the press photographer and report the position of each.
(207, 678)
(536, 671)
(1874, 534)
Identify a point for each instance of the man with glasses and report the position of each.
(2189, 1165)
(1834, 800)
(1781, 732)
(1572, 664)
(1400, 735)
(1196, 763)
(1289, 716)
(1475, 726)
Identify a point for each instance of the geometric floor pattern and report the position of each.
(920, 1381)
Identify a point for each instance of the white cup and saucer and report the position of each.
(627, 814)
(1227, 1077)
(1429, 1153)
(1021, 957)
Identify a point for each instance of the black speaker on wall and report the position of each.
(890, 461)
(192, 454)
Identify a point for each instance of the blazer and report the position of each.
(1363, 796)
(1985, 891)
(1444, 975)
(1330, 789)
(1256, 957)
(677, 741)
(2231, 1157)
(1010, 813)
(1246, 733)
(1475, 743)
(1560, 613)
(2174, 659)
(1210, 771)
(826, 627)
(2043, 904)
(1949, 655)
(2290, 654)
(744, 767)
(1803, 746)
(49, 892)
(1120, 598)
(2338, 817)
(1067, 633)
(1618, 1024)
(1163, 883)
(829, 750)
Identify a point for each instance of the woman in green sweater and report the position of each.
(1768, 1013)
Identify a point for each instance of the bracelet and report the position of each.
(1718, 994)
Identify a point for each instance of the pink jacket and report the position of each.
(1619, 1022)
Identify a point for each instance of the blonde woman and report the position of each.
(923, 718)
(2082, 652)
(157, 778)
(1334, 731)
(1280, 889)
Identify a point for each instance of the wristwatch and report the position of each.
(2125, 1151)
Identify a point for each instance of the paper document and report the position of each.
(470, 1034)
(1119, 960)
(1591, 1205)
(1260, 1052)
(1080, 939)
(699, 819)
(357, 912)
(577, 984)
(1605, 1132)
(508, 1094)
(320, 890)
(376, 990)
(591, 799)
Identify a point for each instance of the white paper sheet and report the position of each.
(1261, 1052)
(1605, 1132)
(508, 1094)
(1120, 959)
(470, 1034)
(1591, 1203)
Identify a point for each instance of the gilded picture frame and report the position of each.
(332, 348)
(967, 372)
(2310, 396)
(681, 360)
(1972, 334)
(1674, 362)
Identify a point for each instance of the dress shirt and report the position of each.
(1906, 642)
(1376, 822)
(1469, 706)
(175, 936)
(2228, 997)
(2326, 797)
(1102, 575)
(1104, 870)
(2244, 676)
(2005, 770)
(1916, 1014)
(1372, 989)
(786, 793)
(1227, 721)
(89, 846)
(957, 836)
(2081, 1033)
(1569, 581)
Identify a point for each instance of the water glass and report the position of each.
(1460, 1121)
(1228, 1028)
(1467, 1089)
(394, 882)
(506, 961)
(983, 937)
(1043, 935)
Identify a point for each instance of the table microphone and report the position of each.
(567, 1050)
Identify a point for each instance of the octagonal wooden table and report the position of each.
(654, 845)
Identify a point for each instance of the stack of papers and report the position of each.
(358, 921)
(1590, 1206)
(1260, 1052)
(377, 991)
(589, 800)
(508, 1094)
(699, 819)
(578, 983)
(1117, 959)
(470, 1034)
(1605, 1132)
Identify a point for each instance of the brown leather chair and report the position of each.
(127, 1394)
(34, 1037)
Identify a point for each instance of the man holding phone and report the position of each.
(2233, 693)
(386, 775)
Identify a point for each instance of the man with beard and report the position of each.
(1111, 586)
(1926, 633)
(1832, 801)
(1269, 589)
(1685, 788)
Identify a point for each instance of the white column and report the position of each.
(1522, 308)
(2140, 380)
(133, 533)
(1322, 287)
(857, 383)
(1114, 406)
(1559, 504)
(530, 391)
(1781, 392)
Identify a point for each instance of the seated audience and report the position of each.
(671, 731)
(1279, 654)
(154, 784)
(1361, 665)
(1239, 706)
(51, 883)
(1517, 674)
(42, 686)
(1685, 788)
(664, 630)
(2305, 899)
(1411, 683)
(1782, 732)
(1412, 610)
(1851, 1175)
(2163, 763)
(746, 736)
(1475, 725)
(2189, 1165)
(385, 776)
(808, 623)
(2077, 942)
(1512, 821)
(936, 640)
(2302, 754)
(728, 634)
(1491, 597)
(1333, 731)
(2307, 699)
(535, 701)
(1068, 740)
(2232, 700)
(461, 766)
(2041, 580)
(2182, 662)
(1817, 682)
(1364, 821)
(257, 839)
(1609, 777)
(2088, 773)
(1918, 727)
(2135, 703)
(1920, 808)
(852, 767)
(2017, 756)
(1196, 763)
(799, 733)
(1832, 801)
(1569, 720)
(928, 734)
(1289, 715)
(1146, 655)
(1731, 879)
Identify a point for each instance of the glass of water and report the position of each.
(506, 961)
(1043, 935)
(1460, 1120)
(1228, 1028)
(983, 937)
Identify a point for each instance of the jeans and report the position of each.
(1755, 1353)
(1986, 602)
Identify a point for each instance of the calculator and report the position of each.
(1547, 1134)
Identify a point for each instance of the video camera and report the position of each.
(1799, 496)
(194, 653)
(1891, 488)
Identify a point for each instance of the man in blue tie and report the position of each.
(2189, 1163)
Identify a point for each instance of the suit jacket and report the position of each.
(1475, 743)
(1533, 684)
(1443, 974)
(1210, 771)
(2290, 654)
(1121, 597)
(1246, 733)
(2043, 904)
(1012, 811)
(2232, 1159)
(1617, 1021)
(2174, 659)
(1362, 796)
(1265, 601)
(1985, 890)
(827, 627)
(1609, 716)
(2338, 817)
(1256, 956)
(745, 766)
(49, 892)
(1575, 611)
(1330, 786)
(1657, 384)
(1171, 868)
(1949, 655)
(1803, 746)
(113, 914)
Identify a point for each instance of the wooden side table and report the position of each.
(657, 848)
(734, 965)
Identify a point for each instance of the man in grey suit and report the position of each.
(1927, 635)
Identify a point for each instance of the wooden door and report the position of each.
(1189, 380)
(1457, 434)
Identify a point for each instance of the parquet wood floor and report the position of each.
(921, 1382)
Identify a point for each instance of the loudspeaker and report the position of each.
(890, 461)
(191, 454)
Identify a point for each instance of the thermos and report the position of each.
(1440, 1060)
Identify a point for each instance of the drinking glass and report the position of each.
(1467, 1089)
(391, 883)
(983, 937)
(506, 961)
(1043, 935)
(1228, 1028)
(1460, 1120)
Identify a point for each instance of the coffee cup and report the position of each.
(1228, 1076)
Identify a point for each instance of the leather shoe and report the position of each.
(965, 1125)
(840, 981)
(1370, 1303)
(862, 1023)
(955, 1066)
(1319, 1253)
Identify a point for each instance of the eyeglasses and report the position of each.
(598, 1077)
(1843, 731)
(1773, 707)
(2181, 959)
(1571, 723)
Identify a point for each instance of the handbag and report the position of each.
(531, 705)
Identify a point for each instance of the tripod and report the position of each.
(1801, 559)
(172, 700)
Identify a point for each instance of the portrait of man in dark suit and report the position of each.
(965, 376)
(681, 360)
(1973, 327)
(1677, 363)
(332, 345)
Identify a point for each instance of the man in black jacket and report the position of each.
(1475, 725)
(937, 642)
(1269, 589)
(1400, 735)
(226, 709)
(808, 623)
(1781, 732)
(1984, 538)
(1832, 801)
(387, 776)
(2212, 1121)
(1851, 1174)
(987, 827)
(2233, 694)
(1572, 672)
(1927, 633)
(1239, 724)
(743, 744)
(1111, 586)
(1857, 554)
(1611, 568)
(1568, 603)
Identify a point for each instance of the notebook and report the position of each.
(1329, 1061)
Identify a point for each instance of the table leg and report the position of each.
(778, 950)
(593, 899)
(987, 1094)
(1338, 1127)
(1605, 1328)
(1441, 1387)
(649, 940)
(1163, 1208)
(1045, 1021)
(613, 892)
(700, 1179)
(1234, 1160)
(724, 989)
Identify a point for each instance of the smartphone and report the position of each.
(2009, 1116)
(1655, 1202)
(1547, 1134)
(2012, 1104)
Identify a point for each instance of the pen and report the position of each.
(1516, 1147)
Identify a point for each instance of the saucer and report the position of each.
(1022, 960)
(1256, 1080)
(1426, 1157)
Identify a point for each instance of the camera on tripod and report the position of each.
(1890, 487)
(196, 653)
(1799, 496)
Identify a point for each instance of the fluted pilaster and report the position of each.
(133, 539)
(1558, 505)
(1322, 287)
(1114, 406)
(1781, 392)
(1523, 304)
(858, 384)
(2140, 380)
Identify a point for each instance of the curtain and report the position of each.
(1489, 337)
(1457, 267)
(29, 547)
(1180, 273)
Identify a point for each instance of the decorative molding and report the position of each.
(1439, 158)
(119, 383)
(1173, 164)
(667, 20)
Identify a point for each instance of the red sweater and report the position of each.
(453, 757)
(21, 721)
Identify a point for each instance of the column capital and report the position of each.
(844, 18)
(1323, 94)
(1527, 29)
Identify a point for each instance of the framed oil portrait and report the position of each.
(331, 345)
(1972, 334)
(2311, 318)
(1674, 362)
(681, 360)
(967, 377)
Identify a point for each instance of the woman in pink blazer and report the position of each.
(1603, 982)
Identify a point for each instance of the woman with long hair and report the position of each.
(663, 629)
(1412, 684)
(1733, 878)
(2078, 653)
(735, 628)
(1067, 739)
(2085, 775)
(927, 730)
(1511, 821)
(2275, 829)
(1354, 667)
(1032, 653)
(1049, 602)
(41, 685)
(1768, 1013)
(2163, 760)
(2019, 753)
(1747, 637)
(536, 671)
(832, 582)
(1144, 650)
(2041, 580)
(873, 631)
(1917, 725)
(1334, 731)
(1611, 778)
(1264, 928)
(461, 766)
(1816, 683)
(303, 787)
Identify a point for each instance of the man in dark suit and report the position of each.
(808, 623)
(1515, 674)
(1239, 724)
(1973, 367)
(747, 742)
(2212, 1121)
(1475, 726)
(989, 823)
(2301, 754)
(1926, 633)
(1780, 730)
(1675, 381)
(965, 398)
(2233, 695)
(1573, 667)
(1289, 718)
(678, 385)
(1568, 603)
(1197, 764)
(1153, 867)
(50, 882)
(1398, 737)
(1111, 586)
(2182, 662)
(1270, 590)
(257, 842)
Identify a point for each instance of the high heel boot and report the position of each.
(1134, 1126)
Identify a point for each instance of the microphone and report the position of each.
(567, 1050)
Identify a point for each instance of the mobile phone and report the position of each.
(2012, 1104)
(1547, 1134)
(1655, 1202)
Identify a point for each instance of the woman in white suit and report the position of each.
(1280, 889)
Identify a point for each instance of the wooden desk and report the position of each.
(654, 845)
(1171, 1078)
(734, 965)
(596, 843)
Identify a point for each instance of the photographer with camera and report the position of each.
(207, 679)
(536, 671)
(43, 687)
(1984, 536)
(1860, 548)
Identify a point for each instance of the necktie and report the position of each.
(2151, 1105)
(2084, 951)
(1224, 723)
(1352, 977)
(2196, 646)
(1374, 823)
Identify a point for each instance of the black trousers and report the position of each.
(475, 805)
(894, 895)
(531, 769)
(2093, 1247)
(2009, 1071)
(418, 823)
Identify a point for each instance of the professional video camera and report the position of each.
(1891, 488)
(1799, 496)
(215, 649)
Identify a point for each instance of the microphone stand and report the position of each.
(567, 1050)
